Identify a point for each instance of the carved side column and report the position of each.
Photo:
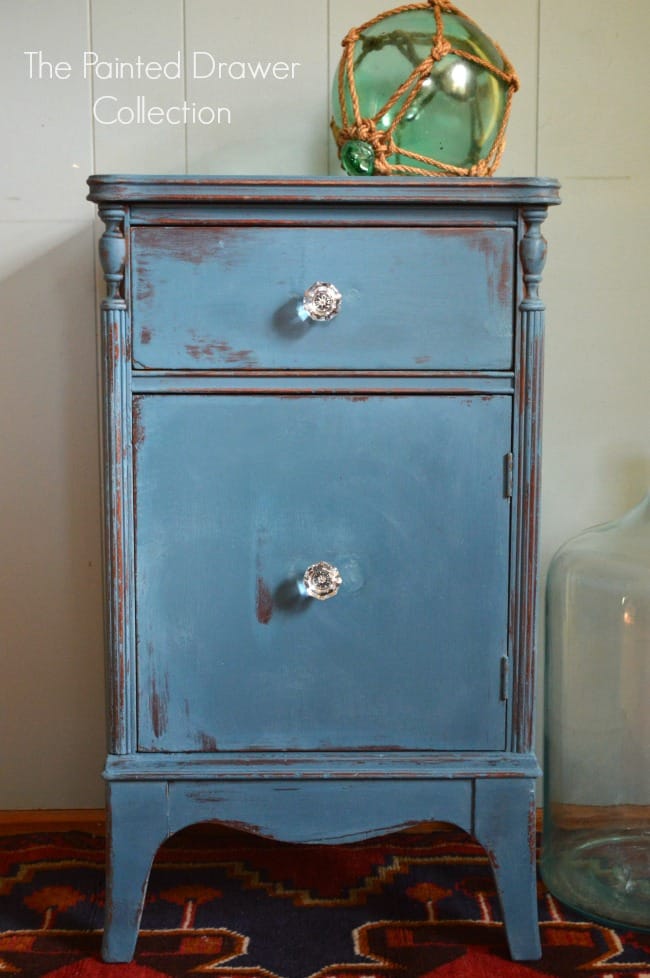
(118, 480)
(533, 258)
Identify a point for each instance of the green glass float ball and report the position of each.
(457, 113)
(358, 158)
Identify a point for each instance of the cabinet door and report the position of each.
(237, 495)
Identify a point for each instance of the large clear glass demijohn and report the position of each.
(596, 854)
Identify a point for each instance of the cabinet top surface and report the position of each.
(144, 188)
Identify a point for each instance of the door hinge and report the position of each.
(507, 473)
(505, 676)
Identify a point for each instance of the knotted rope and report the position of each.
(382, 139)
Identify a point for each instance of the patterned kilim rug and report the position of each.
(226, 904)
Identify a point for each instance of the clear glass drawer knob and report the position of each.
(322, 581)
(322, 301)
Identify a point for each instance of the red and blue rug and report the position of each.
(226, 904)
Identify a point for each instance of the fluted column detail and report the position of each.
(118, 482)
(532, 309)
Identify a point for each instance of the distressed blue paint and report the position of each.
(334, 211)
(237, 382)
(259, 488)
(118, 523)
(452, 306)
(530, 369)
(227, 474)
(369, 765)
(301, 811)
(501, 814)
(196, 189)
(504, 823)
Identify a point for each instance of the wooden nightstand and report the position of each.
(321, 514)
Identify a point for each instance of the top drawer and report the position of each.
(230, 298)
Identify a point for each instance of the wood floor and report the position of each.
(49, 820)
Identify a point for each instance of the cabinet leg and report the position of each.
(137, 826)
(504, 823)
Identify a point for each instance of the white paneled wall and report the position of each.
(151, 30)
(277, 125)
(593, 132)
(581, 115)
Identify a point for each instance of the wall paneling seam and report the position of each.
(185, 86)
(538, 84)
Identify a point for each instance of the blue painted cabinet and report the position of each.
(259, 447)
